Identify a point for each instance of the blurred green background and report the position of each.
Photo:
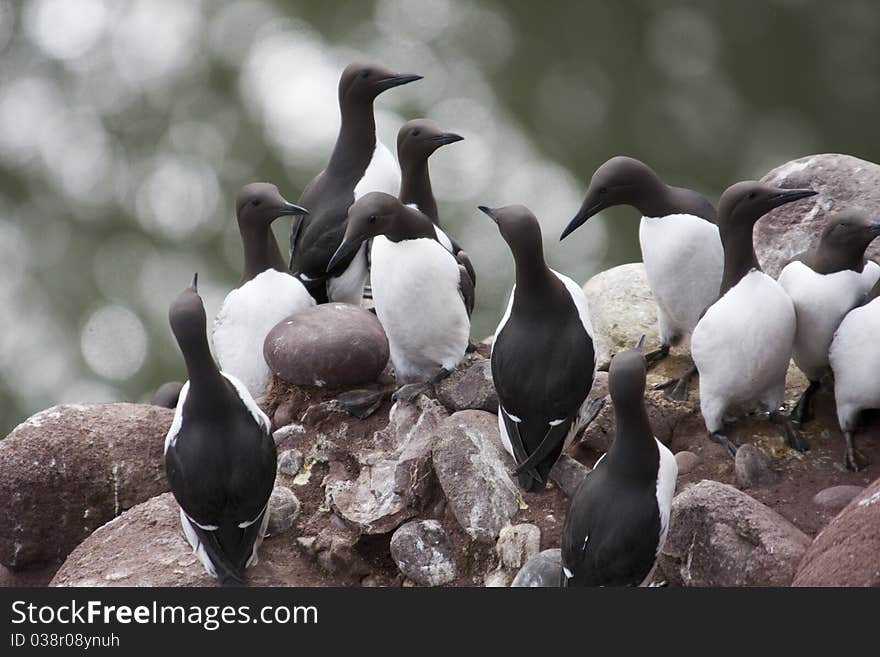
(126, 128)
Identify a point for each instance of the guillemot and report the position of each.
(855, 361)
(618, 517)
(423, 296)
(743, 343)
(543, 357)
(360, 163)
(416, 142)
(219, 454)
(824, 284)
(266, 294)
(680, 244)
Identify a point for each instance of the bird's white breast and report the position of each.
(416, 293)
(667, 474)
(855, 360)
(247, 315)
(684, 263)
(382, 174)
(820, 301)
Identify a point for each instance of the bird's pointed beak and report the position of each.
(345, 250)
(580, 219)
(640, 342)
(791, 195)
(489, 212)
(397, 80)
(292, 209)
(195, 283)
(447, 138)
(874, 228)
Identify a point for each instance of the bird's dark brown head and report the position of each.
(261, 203)
(361, 82)
(743, 203)
(417, 139)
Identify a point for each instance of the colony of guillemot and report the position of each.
(703, 272)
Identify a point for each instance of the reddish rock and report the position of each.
(847, 551)
(69, 469)
(469, 387)
(842, 181)
(836, 497)
(720, 536)
(334, 345)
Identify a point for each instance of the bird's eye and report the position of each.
(256, 202)
(752, 195)
(416, 132)
(603, 190)
(372, 219)
(365, 73)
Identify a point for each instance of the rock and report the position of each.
(336, 345)
(283, 415)
(166, 395)
(423, 552)
(842, 181)
(499, 578)
(836, 497)
(394, 482)
(686, 461)
(621, 310)
(472, 468)
(517, 544)
(283, 510)
(752, 467)
(720, 536)
(144, 547)
(334, 549)
(69, 469)
(469, 387)
(39, 576)
(568, 474)
(288, 436)
(290, 461)
(544, 570)
(847, 551)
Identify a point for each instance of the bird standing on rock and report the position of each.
(416, 141)
(219, 454)
(543, 357)
(855, 361)
(824, 284)
(618, 517)
(360, 163)
(266, 294)
(680, 244)
(423, 297)
(743, 343)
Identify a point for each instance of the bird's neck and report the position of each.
(654, 198)
(739, 256)
(356, 140)
(634, 450)
(206, 383)
(261, 251)
(415, 187)
(534, 280)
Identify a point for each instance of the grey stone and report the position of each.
(423, 552)
(622, 308)
(836, 497)
(469, 387)
(284, 509)
(472, 469)
(720, 536)
(517, 544)
(568, 474)
(752, 467)
(499, 578)
(290, 461)
(842, 181)
(542, 570)
(686, 462)
(335, 345)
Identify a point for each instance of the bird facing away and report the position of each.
(219, 454)
(743, 343)
(423, 297)
(855, 361)
(266, 294)
(825, 283)
(618, 517)
(359, 164)
(416, 142)
(543, 357)
(680, 244)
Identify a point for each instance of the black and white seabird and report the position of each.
(618, 517)
(360, 163)
(219, 454)
(423, 296)
(743, 343)
(543, 358)
(855, 361)
(416, 142)
(825, 283)
(680, 246)
(266, 294)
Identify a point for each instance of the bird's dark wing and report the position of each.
(465, 261)
(466, 288)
